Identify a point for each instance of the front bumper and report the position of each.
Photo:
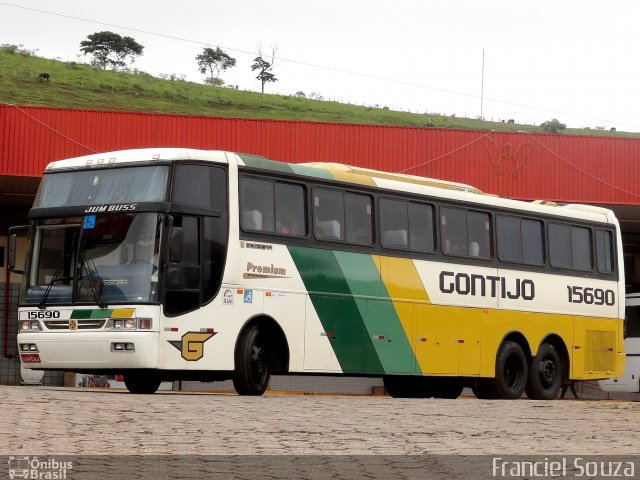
(89, 350)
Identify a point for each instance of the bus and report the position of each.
(629, 381)
(171, 264)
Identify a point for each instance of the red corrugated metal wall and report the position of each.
(518, 165)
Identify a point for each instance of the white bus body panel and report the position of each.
(629, 381)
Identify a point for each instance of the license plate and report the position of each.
(30, 358)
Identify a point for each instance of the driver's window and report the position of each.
(182, 280)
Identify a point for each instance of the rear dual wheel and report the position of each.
(545, 374)
(511, 376)
(512, 371)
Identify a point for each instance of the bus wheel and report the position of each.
(253, 355)
(545, 374)
(407, 387)
(141, 382)
(447, 388)
(511, 372)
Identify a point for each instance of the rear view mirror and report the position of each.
(12, 250)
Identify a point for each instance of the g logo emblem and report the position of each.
(192, 345)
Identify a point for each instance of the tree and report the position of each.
(110, 49)
(217, 60)
(553, 125)
(215, 82)
(264, 68)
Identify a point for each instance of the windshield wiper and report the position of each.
(90, 267)
(56, 274)
(53, 280)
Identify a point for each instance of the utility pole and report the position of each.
(482, 91)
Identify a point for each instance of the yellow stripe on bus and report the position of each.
(122, 312)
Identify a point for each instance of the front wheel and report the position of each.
(253, 355)
(511, 372)
(545, 374)
(141, 382)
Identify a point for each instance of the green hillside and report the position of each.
(75, 85)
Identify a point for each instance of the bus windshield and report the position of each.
(110, 185)
(111, 259)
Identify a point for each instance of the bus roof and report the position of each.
(339, 172)
(137, 155)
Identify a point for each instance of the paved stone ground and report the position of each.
(59, 421)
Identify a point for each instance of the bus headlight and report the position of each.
(129, 324)
(28, 347)
(28, 325)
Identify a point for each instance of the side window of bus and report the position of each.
(358, 214)
(328, 214)
(520, 240)
(465, 233)
(272, 207)
(257, 204)
(406, 225)
(182, 279)
(604, 251)
(479, 227)
(200, 186)
(421, 227)
(570, 247)
(394, 223)
(291, 207)
(342, 216)
(453, 222)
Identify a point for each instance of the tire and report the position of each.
(253, 362)
(407, 387)
(545, 374)
(141, 382)
(511, 372)
(449, 388)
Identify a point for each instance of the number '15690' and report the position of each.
(591, 296)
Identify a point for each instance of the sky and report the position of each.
(574, 60)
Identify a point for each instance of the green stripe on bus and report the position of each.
(381, 320)
(80, 314)
(339, 312)
(312, 172)
(260, 162)
(85, 314)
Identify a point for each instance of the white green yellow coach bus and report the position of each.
(171, 264)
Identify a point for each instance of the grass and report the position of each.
(80, 86)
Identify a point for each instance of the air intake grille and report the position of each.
(600, 355)
(89, 324)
